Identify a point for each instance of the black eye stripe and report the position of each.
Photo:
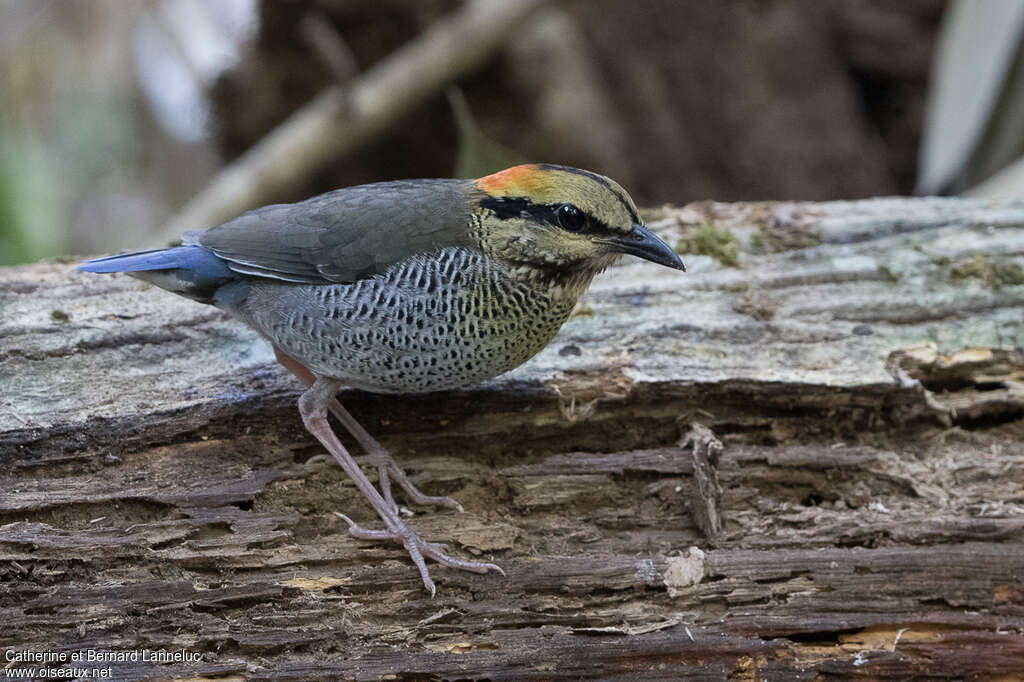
(506, 208)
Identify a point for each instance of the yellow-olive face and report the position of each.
(565, 217)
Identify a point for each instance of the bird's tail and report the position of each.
(191, 271)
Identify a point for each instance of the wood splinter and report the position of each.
(705, 450)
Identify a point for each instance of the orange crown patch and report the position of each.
(525, 180)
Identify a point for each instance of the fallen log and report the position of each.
(858, 364)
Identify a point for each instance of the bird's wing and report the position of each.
(344, 235)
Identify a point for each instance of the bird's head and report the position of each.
(562, 221)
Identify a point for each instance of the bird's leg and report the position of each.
(386, 464)
(313, 408)
(387, 467)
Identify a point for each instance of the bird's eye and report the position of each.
(571, 218)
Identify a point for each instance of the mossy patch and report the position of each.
(776, 240)
(993, 274)
(709, 240)
(1009, 274)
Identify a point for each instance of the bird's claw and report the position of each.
(388, 470)
(418, 548)
(357, 531)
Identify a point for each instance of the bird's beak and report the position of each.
(645, 244)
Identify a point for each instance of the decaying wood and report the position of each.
(704, 449)
(860, 365)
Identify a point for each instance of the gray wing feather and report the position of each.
(344, 235)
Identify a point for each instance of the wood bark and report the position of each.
(855, 379)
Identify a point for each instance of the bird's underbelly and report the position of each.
(401, 338)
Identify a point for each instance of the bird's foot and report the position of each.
(418, 548)
(388, 470)
(313, 406)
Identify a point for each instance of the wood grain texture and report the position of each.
(861, 367)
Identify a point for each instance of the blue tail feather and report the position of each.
(187, 270)
(194, 258)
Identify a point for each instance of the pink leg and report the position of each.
(313, 408)
(377, 455)
(386, 465)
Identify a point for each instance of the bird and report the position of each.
(406, 286)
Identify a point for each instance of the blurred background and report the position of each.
(116, 113)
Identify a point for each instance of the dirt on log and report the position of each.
(802, 459)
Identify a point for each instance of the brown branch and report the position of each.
(329, 46)
(342, 118)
